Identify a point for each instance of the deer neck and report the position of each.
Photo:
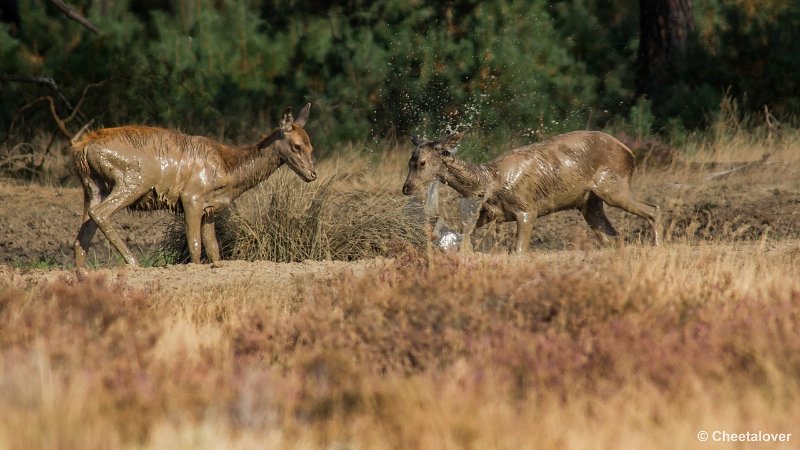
(254, 167)
(467, 179)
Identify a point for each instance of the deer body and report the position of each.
(578, 170)
(146, 169)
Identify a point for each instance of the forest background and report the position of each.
(509, 71)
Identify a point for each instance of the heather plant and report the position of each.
(423, 351)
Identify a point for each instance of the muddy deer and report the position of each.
(145, 169)
(577, 170)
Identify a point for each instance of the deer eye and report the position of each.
(295, 148)
(422, 163)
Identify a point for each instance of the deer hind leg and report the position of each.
(193, 215)
(524, 231)
(210, 236)
(592, 211)
(617, 192)
(92, 195)
(121, 196)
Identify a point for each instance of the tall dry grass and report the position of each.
(632, 348)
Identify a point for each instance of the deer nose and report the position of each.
(406, 189)
(313, 175)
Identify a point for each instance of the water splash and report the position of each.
(431, 205)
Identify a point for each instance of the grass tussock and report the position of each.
(440, 352)
(285, 220)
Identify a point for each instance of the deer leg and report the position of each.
(121, 196)
(91, 197)
(592, 211)
(524, 230)
(193, 217)
(618, 194)
(210, 237)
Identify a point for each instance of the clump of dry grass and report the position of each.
(287, 220)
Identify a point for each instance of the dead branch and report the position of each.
(83, 97)
(13, 158)
(44, 81)
(59, 122)
(74, 15)
(47, 81)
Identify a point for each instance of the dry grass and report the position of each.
(541, 351)
(45, 160)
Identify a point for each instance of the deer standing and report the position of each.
(578, 170)
(145, 169)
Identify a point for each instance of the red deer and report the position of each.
(145, 169)
(578, 170)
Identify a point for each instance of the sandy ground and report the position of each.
(41, 223)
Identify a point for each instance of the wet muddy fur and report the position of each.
(581, 170)
(145, 169)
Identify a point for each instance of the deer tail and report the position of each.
(79, 153)
(77, 137)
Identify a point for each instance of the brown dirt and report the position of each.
(40, 224)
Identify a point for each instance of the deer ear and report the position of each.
(302, 118)
(416, 140)
(447, 153)
(453, 139)
(287, 120)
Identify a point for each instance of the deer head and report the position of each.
(427, 160)
(294, 145)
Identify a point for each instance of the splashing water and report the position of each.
(431, 205)
(469, 208)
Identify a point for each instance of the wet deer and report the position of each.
(578, 170)
(145, 169)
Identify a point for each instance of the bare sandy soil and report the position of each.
(41, 223)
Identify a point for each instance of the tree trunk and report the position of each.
(665, 27)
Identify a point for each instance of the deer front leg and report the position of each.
(210, 236)
(524, 230)
(88, 226)
(193, 217)
(469, 208)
